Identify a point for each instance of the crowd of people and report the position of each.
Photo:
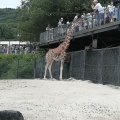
(100, 15)
(16, 49)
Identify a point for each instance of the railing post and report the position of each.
(34, 68)
(104, 16)
(92, 20)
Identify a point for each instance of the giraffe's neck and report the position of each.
(66, 42)
(69, 34)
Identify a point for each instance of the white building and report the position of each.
(12, 46)
(9, 43)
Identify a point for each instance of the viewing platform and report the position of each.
(105, 35)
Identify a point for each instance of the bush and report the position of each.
(17, 66)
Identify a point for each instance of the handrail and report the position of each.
(88, 22)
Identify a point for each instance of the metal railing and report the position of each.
(54, 33)
(89, 21)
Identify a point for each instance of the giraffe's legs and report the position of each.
(49, 68)
(46, 67)
(61, 69)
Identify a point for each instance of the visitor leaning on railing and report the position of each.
(49, 33)
(111, 9)
(60, 26)
(99, 11)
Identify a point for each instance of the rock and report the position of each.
(11, 115)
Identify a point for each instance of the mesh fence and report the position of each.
(110, 66)
(8, 69)
(17, 69)
(42, 68)
(77, 65)
(93, 63)
(99, 66)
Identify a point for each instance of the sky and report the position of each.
(9, 3)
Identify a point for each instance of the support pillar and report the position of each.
(87, 47)
(94, 43)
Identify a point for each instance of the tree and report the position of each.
(8, 23)
(34, 15)
(7, 31)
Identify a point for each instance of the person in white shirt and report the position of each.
(47, 32)
(68, 24)
(84, 20)
(76, 18)
(111, 9)
(48, 27)
(99, 10)
(60, 26)
(89, 20)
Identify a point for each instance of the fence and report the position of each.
(19, 68)
(99, 66)
(53, 34)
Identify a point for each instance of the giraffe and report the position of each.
(59, 53)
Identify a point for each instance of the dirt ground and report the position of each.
(60, 100)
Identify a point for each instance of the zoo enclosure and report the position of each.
(99, 66)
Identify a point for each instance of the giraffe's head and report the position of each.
(74, 24)
(77, 22)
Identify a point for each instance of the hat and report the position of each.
(68, 22)
(76, 17)
(88, 14)
(95, 1)
(82, 16)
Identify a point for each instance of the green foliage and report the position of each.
(13, 69)
(18, 66)
(8, 31)
(19, 56)
(29, 20)
(8, 15)
(35, 15)
(32, 17)
(8, 69)
(8, 23)
(26, 68)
